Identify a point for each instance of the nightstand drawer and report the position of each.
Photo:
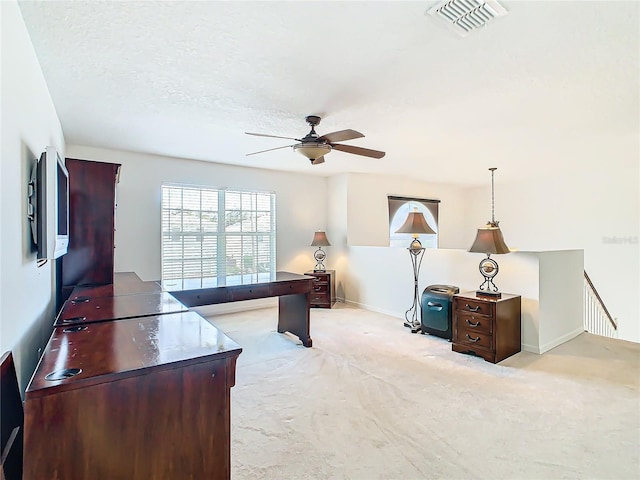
(472, 306)
(320, 279)
(319, 288)
(474, 337)
(474, 322)
(318, 298)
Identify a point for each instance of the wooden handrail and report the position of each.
(604, 307)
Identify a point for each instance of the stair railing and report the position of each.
(597, 319)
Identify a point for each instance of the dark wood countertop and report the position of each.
(231, 281)
(473, 295)
(108, 351)
(98, 309)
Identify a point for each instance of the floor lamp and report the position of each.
(415, 224)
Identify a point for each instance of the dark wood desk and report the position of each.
(293, 292)
(151, 400)
(99, 309)
(127, 297)
(146, 397)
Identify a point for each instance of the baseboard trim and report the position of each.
(553, 343)
(373, 309)
(560, 340)
(530, 348)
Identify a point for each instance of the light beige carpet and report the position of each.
(372, 401)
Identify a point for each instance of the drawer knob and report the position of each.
(77, 328)
(78, 300)
(73, 319)
(470, 338)
(472, 324)
(472, 309)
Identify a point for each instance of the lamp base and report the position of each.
(316, 270)
(320, 256)
(414, 328)
(411, 315)
(488, 269)
(485, 293)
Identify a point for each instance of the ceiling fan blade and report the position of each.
(341, 136)
(318, 161)
(358, 150)
(272, 136)
(262, 151)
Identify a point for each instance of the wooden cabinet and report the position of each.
(11, 419)
(142, 398)
(486, 326)
(323, 294)
(92, 200)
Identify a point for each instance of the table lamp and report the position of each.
(489, 240)
(320, 240)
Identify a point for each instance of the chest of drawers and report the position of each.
(486, 326)
(323, 293)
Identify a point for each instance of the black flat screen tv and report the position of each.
(49, 205)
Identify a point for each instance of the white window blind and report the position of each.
(210, 233)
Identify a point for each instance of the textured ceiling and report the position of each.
(552, 85)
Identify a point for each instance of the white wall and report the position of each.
(593, 209)
(561, 297)
(301, 208)
(337, 254)
(29, 125)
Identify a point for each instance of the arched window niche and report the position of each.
(399, 208)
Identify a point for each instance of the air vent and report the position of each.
(464, 16)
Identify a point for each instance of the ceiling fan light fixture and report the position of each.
(312, 150)
(315, 147)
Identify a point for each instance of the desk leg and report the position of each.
(293, 316)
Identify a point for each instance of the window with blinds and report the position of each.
(210, 233)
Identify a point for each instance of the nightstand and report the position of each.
(323, 294)
(486, 326)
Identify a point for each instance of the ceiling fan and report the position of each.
(315, 147)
